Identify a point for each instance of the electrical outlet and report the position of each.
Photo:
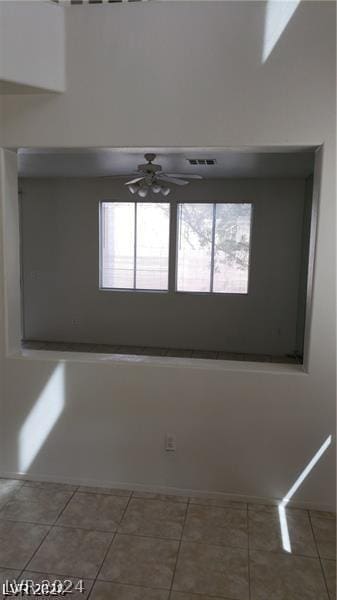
(170, 442)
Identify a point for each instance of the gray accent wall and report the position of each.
(303, 280)
(60, 272)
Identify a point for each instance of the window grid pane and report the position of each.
(213, 247)
(195, 236)
(152, 245)
(232, 245)
(135, 249)
(118, 245)
(212, 255)
(135, 245)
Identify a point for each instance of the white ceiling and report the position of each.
(96, 162)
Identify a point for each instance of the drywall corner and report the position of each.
(32, 47)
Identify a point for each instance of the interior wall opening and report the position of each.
(198, 254)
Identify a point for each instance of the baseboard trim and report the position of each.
(158, 489)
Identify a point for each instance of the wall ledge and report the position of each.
(125, 360)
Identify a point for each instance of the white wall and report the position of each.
(10, 311)
(2, 319)
(32, 47)
(185, 74)
(2, 316)
(195, 82)
(60, 234)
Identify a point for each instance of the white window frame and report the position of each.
(211, 292)
(173, 249)
(101, 242)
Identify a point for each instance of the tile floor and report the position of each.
(128, 545)
(149, 351)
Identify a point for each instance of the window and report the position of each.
(213, 248)
(134, 245)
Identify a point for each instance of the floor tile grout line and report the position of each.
(52, 522)
(59, 526)
(77, 488)
(101, 565)
(231, 503)
(44, 538)
(136, 535)
(223, 506)
(93, 492)
(132, 493)
(122, 497)
(148, 499)
(154, 537)
(49, 485)
(210, 506)
(110, 545)
(283, 553)
(91, 587)
(180, 540)
(319, 556)
(178, 549)
(36, 550)
(65, 506)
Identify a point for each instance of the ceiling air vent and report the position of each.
(201, 161)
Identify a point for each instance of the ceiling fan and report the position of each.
(152, 177)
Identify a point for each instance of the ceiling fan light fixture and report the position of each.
(143, 192)
(152, 178)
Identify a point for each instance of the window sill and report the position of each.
(123, 359)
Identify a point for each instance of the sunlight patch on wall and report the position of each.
(41, 419)
(282, 506)
(278, 15)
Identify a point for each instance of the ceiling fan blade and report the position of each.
(133, 181)
(172, 180)
(184, 175)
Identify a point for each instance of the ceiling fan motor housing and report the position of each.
(149, 157)
(149, 169)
